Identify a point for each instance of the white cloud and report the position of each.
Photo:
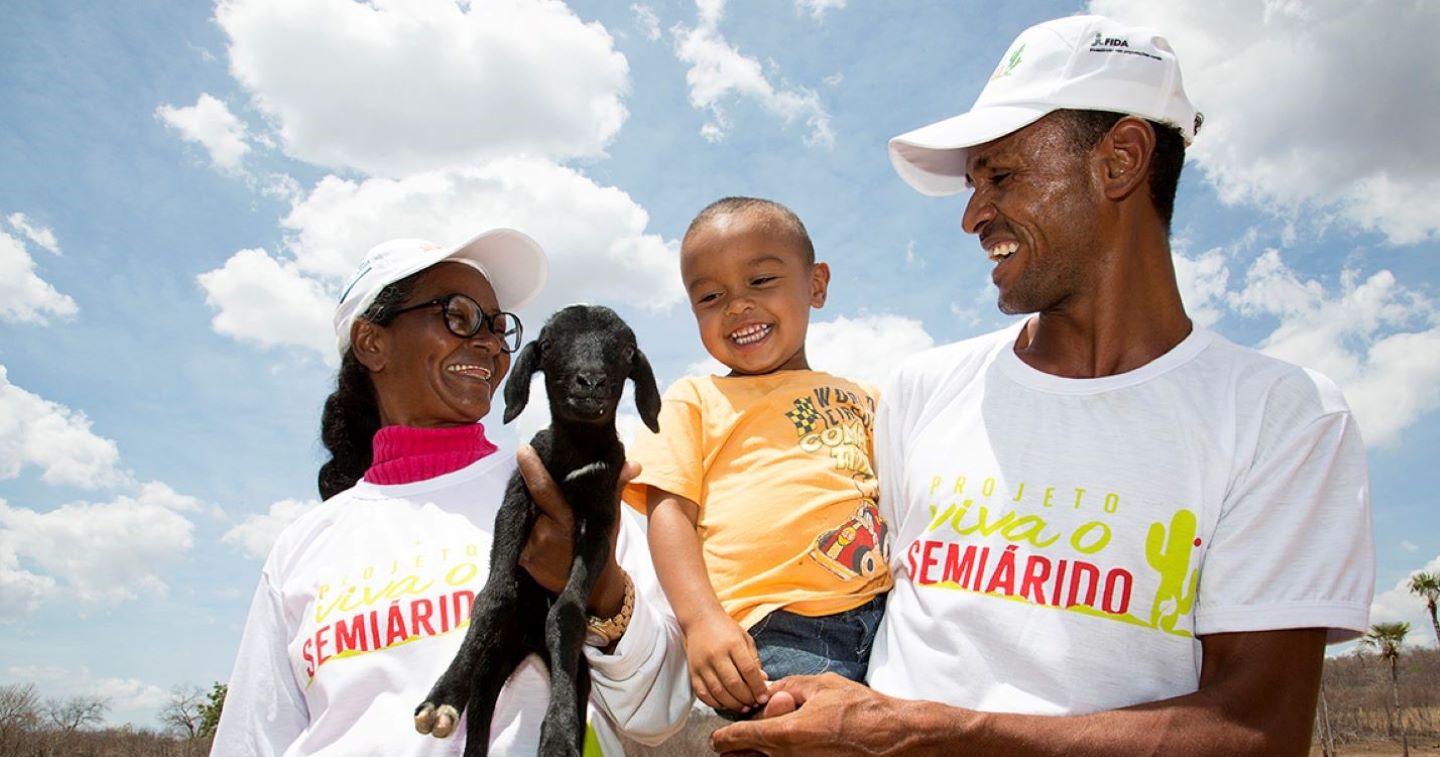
(24, 296)
(600, 253)
(648, 22)
(1357, 335)
(395, 87)
(21, 592)
(37, 672)
(1203, 281)
(1398, 604)
(867, 348)
(269, 302)
(36, 234)
(129, 694)
(210, 124)
(58, 440)
(1319, 105)
(92, 553)
(1409, 546)
(913, 259)
(818, 8)
(257, 533)
(128, 699)
(720, 72)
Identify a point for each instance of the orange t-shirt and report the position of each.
(780, 466)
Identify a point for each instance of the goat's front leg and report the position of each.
(563, 729)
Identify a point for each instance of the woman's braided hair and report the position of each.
(352, 415)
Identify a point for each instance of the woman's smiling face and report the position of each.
(428, 376)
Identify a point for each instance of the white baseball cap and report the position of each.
(1077, 63)
(512, 262)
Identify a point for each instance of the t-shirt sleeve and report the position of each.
(1293, 546)
(672, 459)
(265, 709)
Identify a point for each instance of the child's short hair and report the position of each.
(781, 216)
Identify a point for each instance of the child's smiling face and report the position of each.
(751, 286)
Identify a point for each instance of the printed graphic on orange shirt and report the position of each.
(856, 548)
(391, 602)
(1050, 549)
(839, 423)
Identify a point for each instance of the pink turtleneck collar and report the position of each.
(405, 454)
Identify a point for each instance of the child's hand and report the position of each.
(724, 666)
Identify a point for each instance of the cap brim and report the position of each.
(932, 158)
(514, 263)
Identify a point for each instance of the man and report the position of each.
(1115, 532)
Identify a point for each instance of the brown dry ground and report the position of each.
(1378, 749)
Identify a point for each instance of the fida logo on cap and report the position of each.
(1008, 64)
(1110, 43)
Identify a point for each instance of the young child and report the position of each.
(761, 497)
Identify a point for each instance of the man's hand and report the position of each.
(724, 666)
(1238, 710)
(820, 715)
(547, 553)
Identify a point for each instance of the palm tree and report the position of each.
(1427, 585)
(1386, 638)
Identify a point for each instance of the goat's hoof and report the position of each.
(436, 721)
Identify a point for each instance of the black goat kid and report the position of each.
(586, 353)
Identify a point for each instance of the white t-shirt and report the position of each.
(364, 601)
(1060, 543)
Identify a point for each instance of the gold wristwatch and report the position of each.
(604, 632)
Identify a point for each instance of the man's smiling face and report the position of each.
(1034, 210)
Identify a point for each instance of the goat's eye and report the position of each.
(629, 353)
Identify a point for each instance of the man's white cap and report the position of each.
(1076, 63)
(512, 262)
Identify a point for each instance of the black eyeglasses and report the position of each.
(464, 318)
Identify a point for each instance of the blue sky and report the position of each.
(185, 185)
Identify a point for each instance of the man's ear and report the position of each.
(819, 284)
(370, 344)
(1124, 157)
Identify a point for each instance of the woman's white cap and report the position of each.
(1075, 63)
(512, 262)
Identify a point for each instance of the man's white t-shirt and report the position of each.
(1060, 543)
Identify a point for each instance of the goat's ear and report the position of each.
(647, 395)
(517, 389)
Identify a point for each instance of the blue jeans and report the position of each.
(795, 645)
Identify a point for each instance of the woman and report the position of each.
(363, 600)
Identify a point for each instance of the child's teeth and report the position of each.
(750, 334)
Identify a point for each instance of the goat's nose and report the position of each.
(589, 380)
